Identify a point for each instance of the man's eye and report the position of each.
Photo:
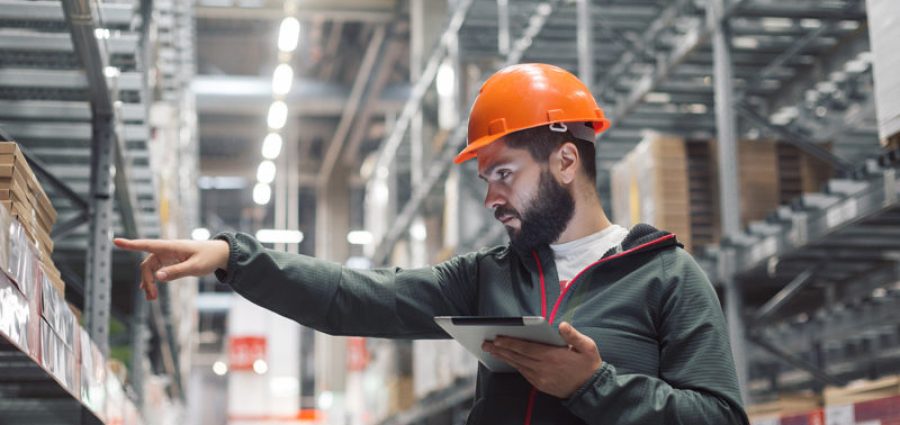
(504, 174)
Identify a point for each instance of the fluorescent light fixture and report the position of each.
(657, 97)
(810, 24)
(848, 25)
(271, 147)
(101, 33)
(288, 34)
(200, 234)
(260, 366)
(277, 115)
(111, 71)
(697, 108)
(221, 182)
(220, 368)
(282, 79)
(777, 23)
(445, 80)
(418, 231)
(360, 237)
(325, 400)
(745, 42)
(266, 172)
(262, 193)
(279, 236)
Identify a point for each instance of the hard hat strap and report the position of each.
(578, 130)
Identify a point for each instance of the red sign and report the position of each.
(357, 354)
(244, 350)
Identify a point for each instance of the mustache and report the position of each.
(502, 211)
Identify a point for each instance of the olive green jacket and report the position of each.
(650, 308)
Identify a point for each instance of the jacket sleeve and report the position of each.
(387, 303)
(697, 383)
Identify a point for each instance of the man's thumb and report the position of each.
(581, 343)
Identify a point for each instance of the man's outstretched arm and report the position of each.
(337, 300)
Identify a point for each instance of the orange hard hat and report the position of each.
(525, 96)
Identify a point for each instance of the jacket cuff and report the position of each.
(222, 275)
(600, 377)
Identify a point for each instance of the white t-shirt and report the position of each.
(572, 257)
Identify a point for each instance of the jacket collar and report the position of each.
(641, 238)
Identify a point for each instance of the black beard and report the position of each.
(546, 217)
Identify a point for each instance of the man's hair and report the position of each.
(540, 142)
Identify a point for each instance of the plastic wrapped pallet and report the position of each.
(884, 35)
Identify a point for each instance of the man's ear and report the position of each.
(566, 162)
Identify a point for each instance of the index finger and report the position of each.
(146, 245)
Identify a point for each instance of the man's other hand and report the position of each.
(558, 371)
(173, 259)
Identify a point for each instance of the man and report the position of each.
(646, 334)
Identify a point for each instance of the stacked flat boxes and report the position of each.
(672, 183)
(860, 403)
(25, 199)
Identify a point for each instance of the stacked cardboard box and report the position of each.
(672, 183)
(795, 408)
(23, 196)
(650, 185)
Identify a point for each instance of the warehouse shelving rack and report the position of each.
(794, 71)
(75, 93)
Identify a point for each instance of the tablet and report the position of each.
(472, 331)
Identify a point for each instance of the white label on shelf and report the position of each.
(839, 415)
(841, 213)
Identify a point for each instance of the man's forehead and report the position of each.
(497, 154)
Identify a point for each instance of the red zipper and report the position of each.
(602, 260)
(529, 410)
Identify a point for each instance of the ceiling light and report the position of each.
(446, 80)
(657, 97)
(848, 25)
(220, 368)
(745, 42)
(418, 231)
(271, 147)
(288, 34)
(200, 234)
(777, 23)
(111, 71)
(277, 115)
(282, 79)
(360, 237)
(101, 33)
(265, 173)
(260, 366)
(810, 24)
(221, 182)
(325, 400)
(279, 236)
(262, 193)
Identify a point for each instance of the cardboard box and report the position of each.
(673, 184)
(861, 391)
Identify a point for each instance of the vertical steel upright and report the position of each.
(585, 43)
(98, 274)
(98, 279)
(729, 191)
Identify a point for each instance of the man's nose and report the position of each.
(493, 199)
